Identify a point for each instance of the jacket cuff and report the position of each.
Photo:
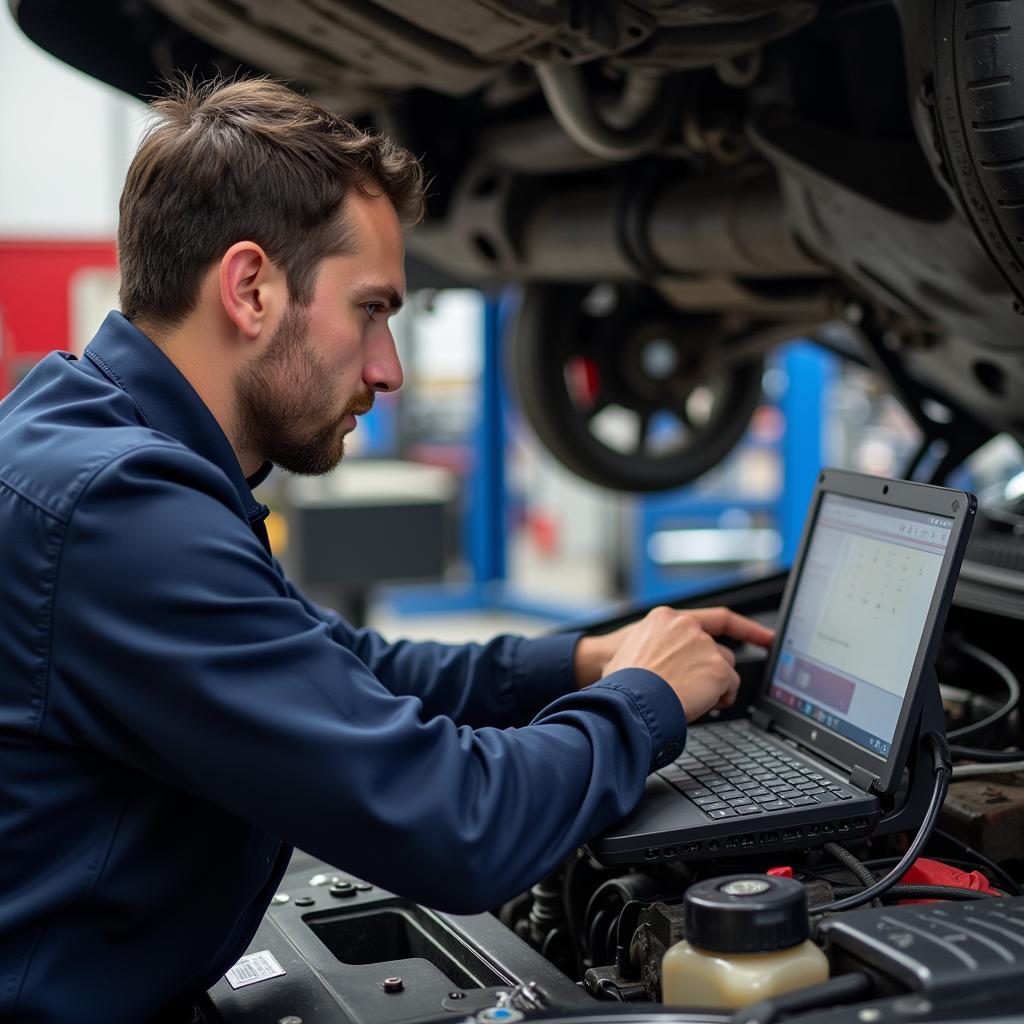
(545, 670)
(658, 706)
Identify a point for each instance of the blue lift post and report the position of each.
(808, 371)
(485, 519)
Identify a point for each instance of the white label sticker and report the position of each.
(254, 967)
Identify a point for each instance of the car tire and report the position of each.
(979, 113)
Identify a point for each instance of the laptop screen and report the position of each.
(857, 617)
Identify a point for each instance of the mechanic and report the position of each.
(174, 715)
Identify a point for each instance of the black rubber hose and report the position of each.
(845, 989)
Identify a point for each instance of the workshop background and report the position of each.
(485, 530)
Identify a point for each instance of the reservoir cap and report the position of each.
(746, 914)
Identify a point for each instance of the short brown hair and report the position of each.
(232, 160)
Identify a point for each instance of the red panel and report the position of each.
(34, 295)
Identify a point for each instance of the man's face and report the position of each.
(299, 397)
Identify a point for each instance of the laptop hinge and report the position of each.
(761, 718)
(863, 779)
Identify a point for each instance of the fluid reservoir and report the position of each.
(746, 940)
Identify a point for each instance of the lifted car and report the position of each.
(678, 185)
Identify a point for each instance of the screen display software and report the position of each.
(857, 617)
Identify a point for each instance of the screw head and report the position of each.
(392, 985)
(289, 1020)
(342, 890)
(305, 901)
(280, 897)
(456, 995)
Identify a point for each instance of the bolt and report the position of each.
(319, 880)
(342, 890)
(362, 887)
(280, 897)
(392, 985)
(305, 901)
(456, 995)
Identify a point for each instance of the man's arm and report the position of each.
(503, 683)
(508, 680)
(181, 654)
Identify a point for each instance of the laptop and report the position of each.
(835, 715)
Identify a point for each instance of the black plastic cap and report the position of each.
(746, 914)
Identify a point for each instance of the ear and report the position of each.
(253, 291)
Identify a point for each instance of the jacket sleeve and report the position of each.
(182, 654)
(504, 682)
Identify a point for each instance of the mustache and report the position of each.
(360, 404)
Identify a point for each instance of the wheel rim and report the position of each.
(626, 391)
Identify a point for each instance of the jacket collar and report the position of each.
(167, 401)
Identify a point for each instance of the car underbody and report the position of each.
(678, 186)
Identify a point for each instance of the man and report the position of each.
(174, 714)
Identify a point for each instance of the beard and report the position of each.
(285, 407)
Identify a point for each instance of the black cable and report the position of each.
(941, 769)
(848, 860)
(1008, 679)
(846, 988)
(987, 756)
(919, 892)
(977, 862)
(1009, 884)
(851, 863)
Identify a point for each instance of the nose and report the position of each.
(382, 370)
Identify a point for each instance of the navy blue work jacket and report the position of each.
(175, 715)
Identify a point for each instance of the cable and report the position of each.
(988, 756)
(1009, 680)
(848, 860)
(1009, 883)
(940, 753)
(920, 892)
(990, 869)
(851, 863)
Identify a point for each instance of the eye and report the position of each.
(373, 308)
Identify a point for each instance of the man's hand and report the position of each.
(680, 647)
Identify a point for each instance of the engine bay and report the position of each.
(589, 940)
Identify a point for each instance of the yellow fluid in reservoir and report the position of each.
(730, 981)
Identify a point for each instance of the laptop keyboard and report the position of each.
(730, 771)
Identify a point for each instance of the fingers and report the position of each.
(723, 621)
(728, 654)
(729, 697)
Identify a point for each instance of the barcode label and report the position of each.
(254, 967)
